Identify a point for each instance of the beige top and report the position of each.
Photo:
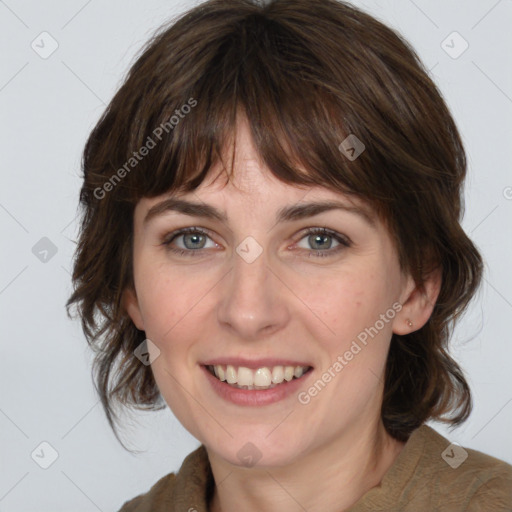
(427, 476)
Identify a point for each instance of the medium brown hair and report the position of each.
(306, 74)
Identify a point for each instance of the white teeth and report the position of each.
(245, 377)
(231, 374)
(277, 374)
(262, 378)
(298, 371)
(219, 371)
(288, 373)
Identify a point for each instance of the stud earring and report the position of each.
(409, 323)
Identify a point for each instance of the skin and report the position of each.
(322, 456)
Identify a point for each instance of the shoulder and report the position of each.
(462, 475)
(178, 491)
(159, 497)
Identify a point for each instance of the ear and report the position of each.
(417, 303)
(131, 305)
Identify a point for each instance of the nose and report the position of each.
(253, 301)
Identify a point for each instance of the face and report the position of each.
(264, 293)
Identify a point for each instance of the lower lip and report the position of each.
(255, 397)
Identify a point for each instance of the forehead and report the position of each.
(248, 173)
(279, 203)
(243, 172)
(243, 183)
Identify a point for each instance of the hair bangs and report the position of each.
(252, 78)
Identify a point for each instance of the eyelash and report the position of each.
(344, 241)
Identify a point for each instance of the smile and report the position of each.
(266, 377)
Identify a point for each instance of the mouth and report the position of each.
(265, 377)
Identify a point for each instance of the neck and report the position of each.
(331, 477)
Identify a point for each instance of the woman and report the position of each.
(271, 246)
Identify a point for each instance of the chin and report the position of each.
(252, 451)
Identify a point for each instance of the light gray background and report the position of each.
(48, 107)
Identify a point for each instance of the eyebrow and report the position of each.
(286, 214)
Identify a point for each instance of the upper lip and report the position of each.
(254, 364)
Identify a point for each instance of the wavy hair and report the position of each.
(306, 74)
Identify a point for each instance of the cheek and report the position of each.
(347, 302)
(155, 299)
(163, 292)
(176, 304)
(170, 303)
